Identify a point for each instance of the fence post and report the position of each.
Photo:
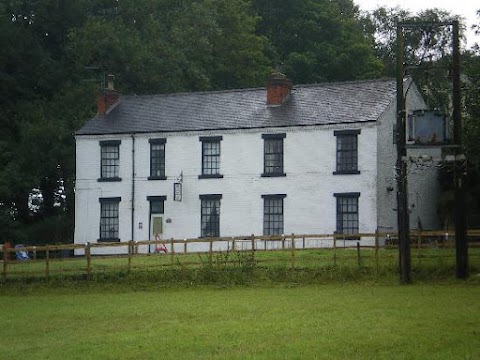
(419, 244)
(185, 246)
(47, 262)
(303, 246)
(252, 239)
(172, 250)
(293, 251)
(334, 249)
(88, 255)
(210, 252)
(358, 254)
(233, 245)
(5, 261)
(283, 241)
(130, 251)
(376, 247)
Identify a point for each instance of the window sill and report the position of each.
(157, 178)
(274, 175)
(211, 176)
(112, 179)
(346, 172)
(109, 240)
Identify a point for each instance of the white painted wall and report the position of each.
(309, 163)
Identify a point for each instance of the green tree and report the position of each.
(318, 40)
(152, 46)
(168, 46)
(33, 72)
(424, 44)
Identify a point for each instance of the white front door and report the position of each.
(156, 230)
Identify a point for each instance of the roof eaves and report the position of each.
(226, 129)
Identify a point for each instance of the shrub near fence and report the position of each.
(293, 251)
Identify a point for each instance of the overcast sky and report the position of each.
(465, 8)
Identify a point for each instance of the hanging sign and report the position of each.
(177, 191)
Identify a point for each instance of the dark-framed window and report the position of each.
(273, 214)
(347, 151)
(210, 157)
(109, 160)
(210, 215)
(273, 154)
(109, 219)
(347, 213)
(157, 204)
(157, 159)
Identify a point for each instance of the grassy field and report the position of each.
(307, 322)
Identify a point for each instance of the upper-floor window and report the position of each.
(210, 215)
(273, 154)
(347, 213)
(347, 151)
(109, 160)
(210, 157)
(157, 159)
(109, 219)
(273, 214)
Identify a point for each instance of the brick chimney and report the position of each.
(278, 89)
(107, 97)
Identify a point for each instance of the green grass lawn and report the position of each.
(309, 322)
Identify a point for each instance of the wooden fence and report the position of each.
(294, 249)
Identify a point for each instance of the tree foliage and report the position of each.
(56, 53)
(196, 45)
(318, 40)
(428, 59)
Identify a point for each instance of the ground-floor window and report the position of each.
(273, 214)
(347, 213)
(210, 215)
(109, 219)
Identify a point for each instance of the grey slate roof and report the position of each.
(327, 103)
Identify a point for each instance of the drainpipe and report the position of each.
(133, 187)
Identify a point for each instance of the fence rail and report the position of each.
(92, 258)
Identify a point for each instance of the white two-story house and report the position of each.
(307, 159)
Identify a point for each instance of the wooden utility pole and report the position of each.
(401, 170)
(461, 245)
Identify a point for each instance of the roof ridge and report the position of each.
(183, 93)
(346, 82)
(227, 91)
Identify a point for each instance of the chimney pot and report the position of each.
(107, 97)
(110, 82)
